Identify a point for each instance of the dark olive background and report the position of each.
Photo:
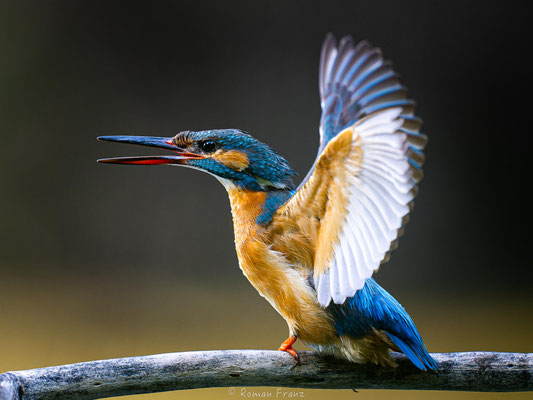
(108, 261)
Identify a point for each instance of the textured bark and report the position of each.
(474, 371)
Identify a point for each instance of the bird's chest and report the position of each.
(267, 270)
(284, 284)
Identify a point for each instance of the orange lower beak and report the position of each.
(160, 142)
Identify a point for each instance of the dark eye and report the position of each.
(208, 146)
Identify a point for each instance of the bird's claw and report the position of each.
(287, 347)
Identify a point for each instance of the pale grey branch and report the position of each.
(473, 371)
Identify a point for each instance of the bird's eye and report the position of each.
(208, 146)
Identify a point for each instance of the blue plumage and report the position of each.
(273, 201)
(354, 81)
(266, 169)
(373, 308)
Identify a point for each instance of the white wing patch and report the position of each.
(380, 195)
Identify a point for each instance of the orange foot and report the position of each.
(287, 346)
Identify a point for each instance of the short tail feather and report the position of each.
(373, 308)
(417, 353)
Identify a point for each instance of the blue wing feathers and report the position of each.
(355, 81)
(372, 108)
(330, 119)
(358, 81)
(373, 308)
(391, 90)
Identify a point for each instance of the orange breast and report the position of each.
(274, 274)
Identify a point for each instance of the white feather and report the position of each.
(381, 189)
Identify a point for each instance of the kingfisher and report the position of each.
(311, 250)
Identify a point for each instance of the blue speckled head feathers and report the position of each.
(238, 157)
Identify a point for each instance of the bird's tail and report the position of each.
(400, 328)
(416, 352)
(372, 307)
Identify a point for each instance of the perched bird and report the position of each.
(311, 251)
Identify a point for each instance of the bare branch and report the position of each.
(474, 371)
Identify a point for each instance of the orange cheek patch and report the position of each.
(234, 159)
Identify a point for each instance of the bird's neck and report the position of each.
(246, 207)
(253, 210)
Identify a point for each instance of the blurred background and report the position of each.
(100, 261)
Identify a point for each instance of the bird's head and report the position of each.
(234, 157)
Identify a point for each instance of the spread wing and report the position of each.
(355, 200)
(355, 81)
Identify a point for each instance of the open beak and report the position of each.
(180, 157)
